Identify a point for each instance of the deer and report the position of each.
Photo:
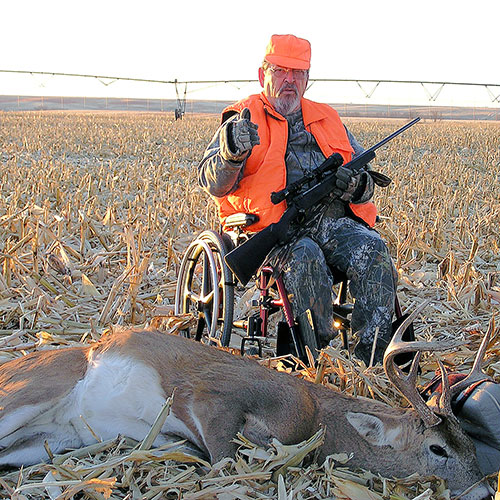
(119, 384)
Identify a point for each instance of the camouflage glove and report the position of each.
(238, 138)
(346, 183)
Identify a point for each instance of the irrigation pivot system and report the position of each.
(181, 87)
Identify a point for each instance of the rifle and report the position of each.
(246, 258)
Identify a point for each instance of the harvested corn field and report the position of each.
(95, 212)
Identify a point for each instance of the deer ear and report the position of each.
(377, 432)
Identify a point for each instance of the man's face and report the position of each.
(284, 87)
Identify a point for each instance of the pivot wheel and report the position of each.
(205, 287)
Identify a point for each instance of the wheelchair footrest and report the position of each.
(284, 343)
(256, 340)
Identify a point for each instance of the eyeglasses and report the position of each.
(278, 72)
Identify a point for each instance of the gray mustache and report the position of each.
(288, 87)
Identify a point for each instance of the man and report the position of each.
(268, 141)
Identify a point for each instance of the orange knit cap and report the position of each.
(289, 51)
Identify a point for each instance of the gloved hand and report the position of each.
(346, 183)
(238, 137)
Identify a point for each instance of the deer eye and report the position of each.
(438, 450)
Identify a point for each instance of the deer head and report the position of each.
(445, 446)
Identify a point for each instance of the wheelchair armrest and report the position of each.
(240, 220)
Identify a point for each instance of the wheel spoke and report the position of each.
(206, 279)
(199, 298)
(208, 321)
(199, 328)
(205, 311)
(207, 299)
(193, 297)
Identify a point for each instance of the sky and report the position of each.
(422, 40)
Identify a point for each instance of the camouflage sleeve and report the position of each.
(366, 186)
(216, 175)
(358, 149)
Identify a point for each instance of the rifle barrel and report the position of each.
(394, 134)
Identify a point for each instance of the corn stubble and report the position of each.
(96, 210)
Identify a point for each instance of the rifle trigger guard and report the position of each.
(301, 216)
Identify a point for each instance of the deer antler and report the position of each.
(476, 374)
(442, 401)
(407, 384)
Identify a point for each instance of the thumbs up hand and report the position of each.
(239, 137)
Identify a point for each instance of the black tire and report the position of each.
(205, 287)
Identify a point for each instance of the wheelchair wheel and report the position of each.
(205, 287)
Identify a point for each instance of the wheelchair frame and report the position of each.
(206, 287)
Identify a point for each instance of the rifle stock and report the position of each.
(245, 259)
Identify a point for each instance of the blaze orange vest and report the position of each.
(265, 169)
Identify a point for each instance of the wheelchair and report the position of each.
(207, 288)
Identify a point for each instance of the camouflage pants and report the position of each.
(360, 253)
